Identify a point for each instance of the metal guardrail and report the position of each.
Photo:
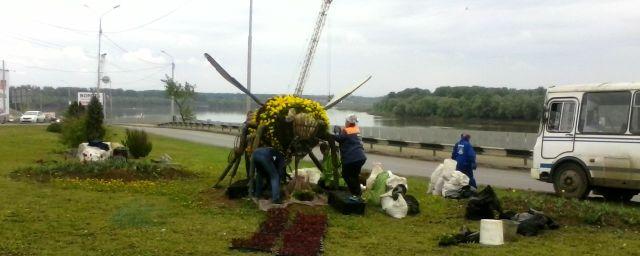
(235, 128)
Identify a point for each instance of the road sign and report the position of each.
(85, 97)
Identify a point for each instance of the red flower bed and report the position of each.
(304, 237)
(265, 238)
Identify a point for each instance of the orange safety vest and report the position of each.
(352, 130)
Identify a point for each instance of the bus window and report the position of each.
(561, 116)
(605, 113)
(635, 115)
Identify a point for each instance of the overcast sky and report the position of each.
(402, 43)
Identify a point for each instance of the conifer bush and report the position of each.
(138, 143)
(93, 125)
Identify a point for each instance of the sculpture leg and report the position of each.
(316, 162)
(234, 169)
(226, 170)
(334, 159)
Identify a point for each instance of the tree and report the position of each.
(182, 95)
(75, 110)
(93, 125)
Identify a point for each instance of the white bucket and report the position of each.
(496, 232)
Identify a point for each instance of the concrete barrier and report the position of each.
(425, 150)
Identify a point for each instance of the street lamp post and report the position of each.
(100, 43)
(249, 46)
(173, 68)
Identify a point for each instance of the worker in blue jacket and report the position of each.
(466, 158)
(270, 169)
(454, 152)
(351, 153)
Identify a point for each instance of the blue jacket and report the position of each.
(464, 155)
(351, 148)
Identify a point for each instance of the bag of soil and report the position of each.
(238, 189)
(412, 203)
(483, 205)
(394, 205)
(378, 188)
(464, 236)
(532, 222)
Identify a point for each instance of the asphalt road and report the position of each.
(516, 179)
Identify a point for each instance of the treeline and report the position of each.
(464, 102)
(56, 99)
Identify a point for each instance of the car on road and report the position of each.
(32, 117)
(589, 140)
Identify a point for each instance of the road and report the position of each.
(409, 167)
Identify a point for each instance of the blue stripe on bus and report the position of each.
(548, 166)
(601, 141)
(587, 137)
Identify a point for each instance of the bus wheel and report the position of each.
(619, 195)
(571, 181)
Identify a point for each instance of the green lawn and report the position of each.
(76, 217)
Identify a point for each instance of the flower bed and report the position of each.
(266, 237)
(104, 170)
(304, 236)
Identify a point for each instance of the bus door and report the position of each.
(559, 131)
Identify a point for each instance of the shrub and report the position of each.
(75, 110)
(55, 127)
(73, 132)
(138, 143)
(95, 118)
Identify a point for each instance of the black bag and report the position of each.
(238, 189)
(483, 205)
(414, 206)
(345, 203)
(464, 236)
(99, 144)
(532, 222)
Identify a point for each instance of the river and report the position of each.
(336, 117)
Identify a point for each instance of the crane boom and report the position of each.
(313, 44)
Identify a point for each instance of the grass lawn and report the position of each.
(185, 217)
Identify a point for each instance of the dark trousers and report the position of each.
(266, 171)
(472, 180)
(350, 174)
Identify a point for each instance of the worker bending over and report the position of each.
(270, 170)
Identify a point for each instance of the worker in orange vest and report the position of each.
(351, 153)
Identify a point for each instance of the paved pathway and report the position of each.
(487, 176)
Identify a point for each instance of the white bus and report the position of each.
(589, 140)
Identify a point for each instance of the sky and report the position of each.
(401, 43)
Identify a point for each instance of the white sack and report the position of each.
(395, 180)
(454, 183)
(312, 175)
(435, 176)
(377, 169)
(449, 166)
(394, 208)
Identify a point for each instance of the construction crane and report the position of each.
(313, 44)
